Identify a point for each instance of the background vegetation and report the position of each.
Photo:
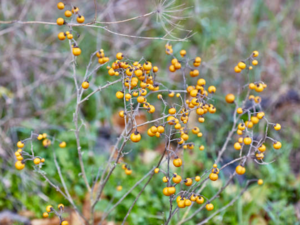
(37, 94)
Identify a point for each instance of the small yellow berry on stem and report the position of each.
(85, 85)
(230, 98)
(260, 182)
(60, 6)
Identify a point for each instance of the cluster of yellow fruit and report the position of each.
(47, 142)
(102, 59)
(176, 179)
(127, 169)
(255, 118)
(242, 65)
(258, 87)
(185, 202)
(146, 73)
(240, 170)
(214, 173)
(68, 34)
(20, 164)
(198, 100)
(176, 65)
(68, 13)
(50, 209)
(156, 131)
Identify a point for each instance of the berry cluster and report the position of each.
(50, 209)
(69, 34)
(22, 156)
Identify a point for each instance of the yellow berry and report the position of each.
(255, 53)
(80, 19)
(60, 21)
(85, 85)
(19, 165)
(239, 110)
(182, 53)
(70, 36)
(209, 207)
(76, 51)
(241, 65)
(61, 36)
(237, 146)
(247, 140)
(230, 98)
(63, 144)
(40, 137)
(254, 62)
(155, 69)
(128, 171)
(262, 148)
(240, 170)
(20, 144)
(277, 145)
(119, 56)
(277, 126)
(237, 69)
(68, 13)
(60, 5)
(75, 9)
(252, 86)
(37, 161)
(49, 208)
(120, 94)
(211, 89)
